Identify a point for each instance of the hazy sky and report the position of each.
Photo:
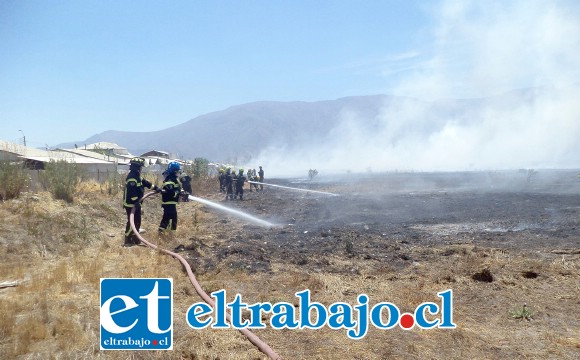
(71, 69)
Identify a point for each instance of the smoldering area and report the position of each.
(384, 218)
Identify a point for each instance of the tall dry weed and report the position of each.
(13, 179)
(61, 178)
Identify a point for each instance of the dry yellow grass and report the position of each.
(60, 251)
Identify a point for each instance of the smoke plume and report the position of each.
(488, 54)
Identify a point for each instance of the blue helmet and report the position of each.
(173, 167)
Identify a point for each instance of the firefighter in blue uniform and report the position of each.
(240, 180)
(229, 184)
(134, 190)
(261, 178)
(234, 184)
(170, 193)
(222, 179)
(186, 185)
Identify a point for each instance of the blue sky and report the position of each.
(71, 69)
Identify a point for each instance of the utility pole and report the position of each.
(23, 137)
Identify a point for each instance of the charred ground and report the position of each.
(384, 219)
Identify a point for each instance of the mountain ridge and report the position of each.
(241, 131)
(379, 132)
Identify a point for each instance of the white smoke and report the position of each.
(480, 49)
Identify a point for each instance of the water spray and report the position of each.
(291, 188)
(238, 213)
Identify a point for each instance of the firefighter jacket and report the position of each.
(134, 189)
(170, 190)
(240, 180)
(186, 183)
(228, 179)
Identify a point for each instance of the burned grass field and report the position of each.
(506, 243)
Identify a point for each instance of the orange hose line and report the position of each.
(254, 339)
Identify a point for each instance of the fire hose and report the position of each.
(254, 339)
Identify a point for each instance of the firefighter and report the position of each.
(240, 180)
(255, 179)
(228, 184)
(250, 177)
(134, 190)
(186, 185)
(234, 182)
(261, 179)
(171, 192)
(222, 179)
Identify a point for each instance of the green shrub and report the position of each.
(200, 168)
(13, 179)
(522, 313)
(61, 179)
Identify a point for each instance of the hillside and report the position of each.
(243, 131)
(536, 127)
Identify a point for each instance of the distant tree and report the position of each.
(200, 168)
(312, 173)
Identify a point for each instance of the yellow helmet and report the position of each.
(137, 161)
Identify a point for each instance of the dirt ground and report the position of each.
(502, 241)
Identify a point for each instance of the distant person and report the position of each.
(254, 179)
(170, 197)
(229, 184)
(186, 185)
(251, 177)
(261, 178)
(234, 182)
(134, 190)
(240, 180)
(222, 180)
